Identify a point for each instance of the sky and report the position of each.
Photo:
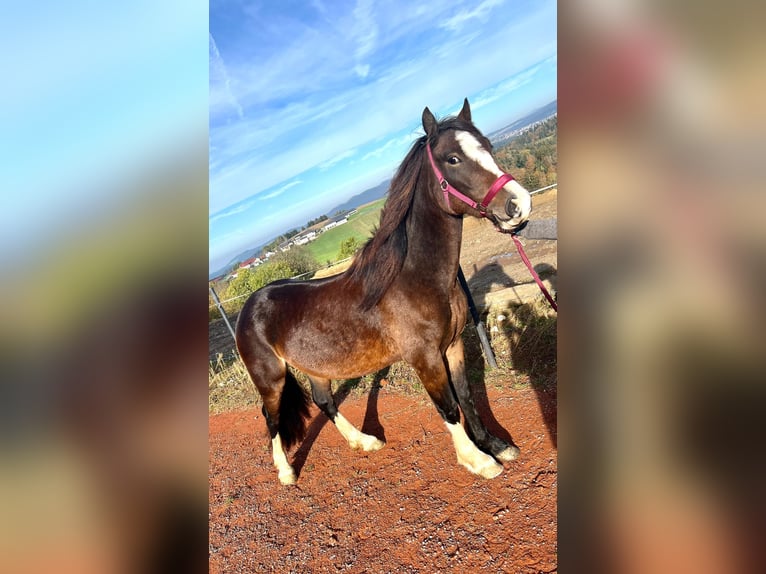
(93, 93)
(314, 102)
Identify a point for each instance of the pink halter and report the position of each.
(449, 190)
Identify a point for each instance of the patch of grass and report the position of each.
(360, 225)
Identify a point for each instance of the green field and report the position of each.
(360, 225)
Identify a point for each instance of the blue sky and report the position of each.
(93, 93)
(313, 102)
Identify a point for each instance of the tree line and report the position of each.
(532, 157)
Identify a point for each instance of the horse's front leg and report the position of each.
(433, 374)
(357, 440)
(497, 447)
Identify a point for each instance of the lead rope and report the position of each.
(535, 276)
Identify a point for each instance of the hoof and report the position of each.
(373, 445)
(287, 477)
(509, 454)
(484, 466)
(490, 470)
(367, 443)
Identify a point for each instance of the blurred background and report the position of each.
(103, 141)
(103, 128)
(662, 276)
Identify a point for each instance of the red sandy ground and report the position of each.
(407, 508)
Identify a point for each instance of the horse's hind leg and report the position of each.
(498, 448)
(285, 471)
(433, 374)
(285, 407)
(357, 440)
(272, 393)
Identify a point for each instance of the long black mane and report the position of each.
(381, 259)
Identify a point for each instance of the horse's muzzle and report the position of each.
(512, 209)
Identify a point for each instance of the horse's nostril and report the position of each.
(510, 207)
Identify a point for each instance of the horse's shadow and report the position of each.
(532, 348)
(370, 425)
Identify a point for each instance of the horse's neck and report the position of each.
(433, 240)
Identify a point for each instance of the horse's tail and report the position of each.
(293, 411)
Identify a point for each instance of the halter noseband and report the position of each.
(449, 190)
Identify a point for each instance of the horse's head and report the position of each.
(471, 181)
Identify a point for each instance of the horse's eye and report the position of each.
(453, 160)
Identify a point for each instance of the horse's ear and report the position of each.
(465, 113)
(429, 123)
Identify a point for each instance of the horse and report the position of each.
(399, 300)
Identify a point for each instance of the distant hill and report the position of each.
(220, 272)
(514, 129)
(363, 198)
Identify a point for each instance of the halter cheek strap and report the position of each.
(449, 190)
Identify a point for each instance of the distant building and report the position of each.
(249, 263)
(304, 239)
(336, 222)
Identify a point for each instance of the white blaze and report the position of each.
(474, 150)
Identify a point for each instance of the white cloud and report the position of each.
(337, 159)
(231, 211)
(221, 95)
(280, 191)
(390, 145)
(457, 22)
(505, 88)
(365, 30)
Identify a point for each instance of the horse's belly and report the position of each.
(344, 354)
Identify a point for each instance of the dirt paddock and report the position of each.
(407, 508)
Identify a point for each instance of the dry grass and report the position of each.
(229, 385)
(525, 337)
(333, 269)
